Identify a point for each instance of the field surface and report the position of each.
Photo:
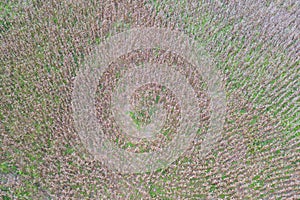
(223, 117)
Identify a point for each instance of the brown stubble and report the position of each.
(59, 36)
(46, 46)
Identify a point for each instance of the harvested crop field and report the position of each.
(157, 99)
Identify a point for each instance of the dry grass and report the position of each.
(255, 46)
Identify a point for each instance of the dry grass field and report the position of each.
(253, 45)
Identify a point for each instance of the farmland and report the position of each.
(253, 47)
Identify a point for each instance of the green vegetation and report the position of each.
(51, 43)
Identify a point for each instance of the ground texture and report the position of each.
(255, 46)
